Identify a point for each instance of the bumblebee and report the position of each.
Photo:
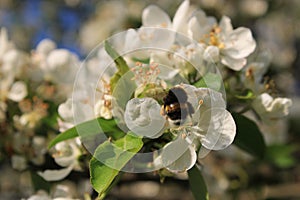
(176, 107)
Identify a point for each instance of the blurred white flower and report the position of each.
(253, 76)
(18, 162)
(18, 91)
(5, 44)
(40, 195)
(13, 63)
(74, 111)
(101, 108)
(32, 117)
(110, 16)
(253, 73)
(232, 45)
(65, 110)
(61, 66)
(39, 149)
(66, 155)
(43, 195)
(45, 47)
(254, 8)
(269, 108)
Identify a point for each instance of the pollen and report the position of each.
(249, 74)
(200, 102)
(163, 25)
(214, 38)
(144, 73)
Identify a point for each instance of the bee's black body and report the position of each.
(176, 107)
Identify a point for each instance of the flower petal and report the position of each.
(155, 38)
(56, 175)
(180, 17)
(142, 116)
(200, 24)
(154, 16)
(45, 46)
(225, 25)
(232, 63)
(240, 43)
(40, 195)
(211, 54)
(178, 156)
(65, 110)
(194, 29)
(185, 162)
(269, 108)
(218, 128)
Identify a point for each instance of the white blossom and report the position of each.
(66, 155)
(45, 47)
(211, 125)
(253, 73)
(61, 66)
(102, 110)
(18, 91)
(232, 45)
(153, 16)
(142, 116)
(269, 108)
(19, 162)
(5, 43)
(157, 30)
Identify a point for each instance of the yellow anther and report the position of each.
(200, 102)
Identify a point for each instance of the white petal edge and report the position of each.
(211, 54)
(225, 25)
(177, 156)
(185, 162)
(55, 175)
(18, 91)
(219, 129)
(181, 15)
(234, 64)
(153, 16)
(240, 43)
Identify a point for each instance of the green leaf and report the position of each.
(124, 89)
(144, 60)
(248, 136)
(120, 62)
(197, 184)
(210, 80)
(115, 158)
(89, 128)
(248, 94)
(281, 155)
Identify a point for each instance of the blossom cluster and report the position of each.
(46, 91)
